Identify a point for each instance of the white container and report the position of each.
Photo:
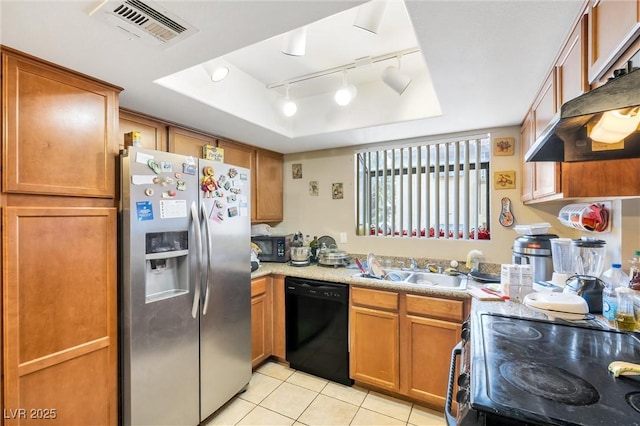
(533, 229)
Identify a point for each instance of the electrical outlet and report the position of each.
(343, 238)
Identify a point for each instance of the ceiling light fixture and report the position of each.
(396, 78)
(287, 106)
(359, 62)
(616, 125)
(295, 42)
(345, 94)
(216, 73)
(370, 16)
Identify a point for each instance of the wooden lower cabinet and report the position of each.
(402, 342)
(261, 322)
(59, 315)
(279, 324)
(428, 344)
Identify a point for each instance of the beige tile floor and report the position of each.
(278, 395)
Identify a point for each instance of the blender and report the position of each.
(588, 262)
(562, 261)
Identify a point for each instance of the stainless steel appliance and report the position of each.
(317, 324)
(518, 371)
(185, 332)
(535, 250)
(275, 248)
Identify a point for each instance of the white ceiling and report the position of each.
(485, 60)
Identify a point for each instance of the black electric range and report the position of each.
(518, 371)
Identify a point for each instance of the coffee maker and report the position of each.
(535, 250)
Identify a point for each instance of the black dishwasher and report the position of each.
(317, 322)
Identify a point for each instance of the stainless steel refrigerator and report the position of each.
(185, 302)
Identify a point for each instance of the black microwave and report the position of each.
(275, 248)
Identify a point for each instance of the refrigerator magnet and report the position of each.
(181, 185)
(189, 169)
(144, 210)
(153, 165)
(232, 211)
(167, 167)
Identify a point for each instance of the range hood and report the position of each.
(565, 139)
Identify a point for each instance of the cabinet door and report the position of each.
(260, 320)
(546, 175)
(187, 142)
(238, 154)
(268, 187)
(613, 26)
(60, 315)
(154, 133)
(526, 140)
(59, 131)
(279, 322)
(429, 344)
(571, 68)
(374, 354)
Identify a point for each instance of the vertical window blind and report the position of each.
(437, 189)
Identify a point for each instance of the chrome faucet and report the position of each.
(412, 263)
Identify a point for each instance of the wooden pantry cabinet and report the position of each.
(402, 342)
(59, 246)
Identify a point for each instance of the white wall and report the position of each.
(322, 215)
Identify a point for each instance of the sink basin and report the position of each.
(430, 279)
(423, 279)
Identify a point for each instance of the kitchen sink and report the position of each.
(423, 279)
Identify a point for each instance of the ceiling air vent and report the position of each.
(146, 20)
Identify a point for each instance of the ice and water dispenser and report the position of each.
(167, 265)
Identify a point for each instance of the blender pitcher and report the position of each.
(562, 261)
(588, 256)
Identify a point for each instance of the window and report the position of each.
(437, 189)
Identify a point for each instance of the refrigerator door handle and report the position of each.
(209, 272)
(195, 217)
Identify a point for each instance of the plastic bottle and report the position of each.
(314, 247)
(634, 272)
(613, 278)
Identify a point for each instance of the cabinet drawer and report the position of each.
(386, 300)
(452, 310)
(259, 286)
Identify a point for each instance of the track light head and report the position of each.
(396, 79)
(216, 72)
(295, 42)
(345, 94)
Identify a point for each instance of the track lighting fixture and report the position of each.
(396, 78)
(295, 42)
(370, 16)
(345, 94)
(287, 106)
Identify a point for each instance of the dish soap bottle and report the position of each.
(613, 278)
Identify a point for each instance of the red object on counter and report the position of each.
(495, 293)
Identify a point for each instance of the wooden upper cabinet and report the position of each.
(546, 175)
(154, 133)
(60, 130)
(571, 68)
(526, 140)
(238, 154)
(268, 178)
(613, 26)
(187, 142)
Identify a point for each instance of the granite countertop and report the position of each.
(349, 276)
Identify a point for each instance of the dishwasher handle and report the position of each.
(317, 289)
